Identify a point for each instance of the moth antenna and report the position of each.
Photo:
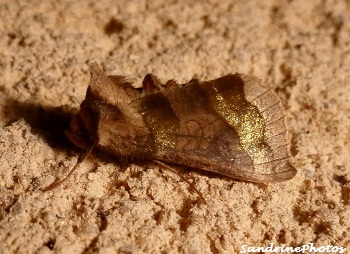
(182, 178)
(81, 157)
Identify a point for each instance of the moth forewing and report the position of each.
(233, 125)
(276, 134)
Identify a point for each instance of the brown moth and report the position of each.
(234, 125)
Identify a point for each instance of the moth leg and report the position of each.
(182, 178)
(124, 162)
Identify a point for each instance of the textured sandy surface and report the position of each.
(300, 47)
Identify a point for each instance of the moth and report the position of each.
(234, 125)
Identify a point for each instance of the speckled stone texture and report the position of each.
(301, 48)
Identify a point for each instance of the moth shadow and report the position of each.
(50, 123)
(46, 121)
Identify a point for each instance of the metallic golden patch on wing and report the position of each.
(244, 117)
(160, 118)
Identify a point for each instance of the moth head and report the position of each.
(78, 134)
